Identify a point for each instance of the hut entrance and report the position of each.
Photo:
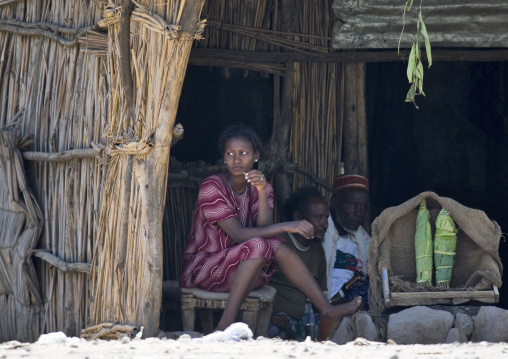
(211, 100)
(454, 144)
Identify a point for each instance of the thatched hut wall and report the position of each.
(20, 228)
(56, 94)
(96, 85)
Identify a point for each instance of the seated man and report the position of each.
(290, 303)
(346, 242)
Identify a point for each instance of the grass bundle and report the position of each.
(445, 243)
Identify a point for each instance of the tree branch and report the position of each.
(46, 29)
(60, 264)
(64, 156)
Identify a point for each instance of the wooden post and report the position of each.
(355, 120)
(152, 175)
(280, 138)
(281, 128)
(127, 100)
(340, 120)
(355, 125)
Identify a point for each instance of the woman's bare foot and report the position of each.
(338, 312)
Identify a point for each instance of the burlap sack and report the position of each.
(477, 263)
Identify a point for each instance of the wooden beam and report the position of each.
(93, 152)
(474, 55)
(64, 156)
(355, 120)
(466, 294)
(279, 142)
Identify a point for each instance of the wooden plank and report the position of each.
(406, 302)
(450, 297)
(470, 295)
(355, 120)
(265, 57)
(425, 301)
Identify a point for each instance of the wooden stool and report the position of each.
(256, 309)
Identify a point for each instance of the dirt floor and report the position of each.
(62, 347)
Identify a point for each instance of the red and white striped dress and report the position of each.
(212, 256)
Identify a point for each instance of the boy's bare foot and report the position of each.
(338, 312)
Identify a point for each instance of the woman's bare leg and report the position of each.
(298, 273)
(245, 277)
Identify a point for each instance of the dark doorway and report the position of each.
(455, 144)
(210, 102)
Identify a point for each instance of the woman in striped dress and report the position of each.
(233, 245)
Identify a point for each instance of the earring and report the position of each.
(256, 160)
(224, 161)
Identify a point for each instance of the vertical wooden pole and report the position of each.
(276, 99)
(152, 175)
(280, 134)
(340, 119)
(127, 101)
(355, 120)
(355, 125)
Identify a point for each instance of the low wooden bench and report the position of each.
(256, 309)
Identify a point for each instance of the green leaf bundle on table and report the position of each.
(445, 244)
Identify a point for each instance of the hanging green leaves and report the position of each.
(414, 65)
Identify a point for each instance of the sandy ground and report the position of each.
(186, 348)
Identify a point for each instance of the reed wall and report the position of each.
(99, 101)
(60, 96)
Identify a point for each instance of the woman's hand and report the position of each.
(303, 228)
(257, 179)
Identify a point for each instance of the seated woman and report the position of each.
(233, 245)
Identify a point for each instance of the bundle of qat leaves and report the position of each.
(445, 243)
(423, 247)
